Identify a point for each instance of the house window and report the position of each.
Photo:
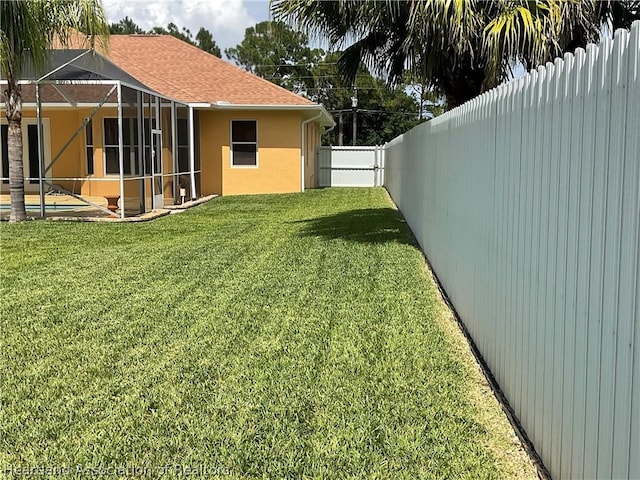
(244, 143)
(88, 140)
(130, 144)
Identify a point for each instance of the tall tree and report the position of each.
(274, 51)
(172, 29)
(205, 41)
(431, 102)
(460, 47)
(28, 28)
(126, 26)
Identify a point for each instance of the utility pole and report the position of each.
(340, 130)
(354, 106)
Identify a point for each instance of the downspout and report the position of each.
(302, 151)
(330, 128)
(174, 151)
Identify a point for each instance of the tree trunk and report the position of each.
(13, 105)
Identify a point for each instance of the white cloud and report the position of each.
(226, 19)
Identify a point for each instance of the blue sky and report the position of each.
(226, 19)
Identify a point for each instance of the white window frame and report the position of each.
(231, 143)
(104, 148)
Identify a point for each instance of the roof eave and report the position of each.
(325, 120)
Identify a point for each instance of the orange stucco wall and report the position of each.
(279, 149)
(278, 169)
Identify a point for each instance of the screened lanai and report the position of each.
(93, 132)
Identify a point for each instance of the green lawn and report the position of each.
(272, 336)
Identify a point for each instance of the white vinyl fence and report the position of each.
(526, 201)
(340, 166)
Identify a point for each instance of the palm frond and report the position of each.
(29, 28)
(521, 30)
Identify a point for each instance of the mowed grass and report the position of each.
(284, 336)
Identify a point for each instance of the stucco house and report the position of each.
(152, 119)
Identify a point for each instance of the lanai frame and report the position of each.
(117, 85)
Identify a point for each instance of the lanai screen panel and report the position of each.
(135, 148)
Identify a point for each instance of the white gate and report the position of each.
(350, 166)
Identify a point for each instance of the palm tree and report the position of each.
(28, 29)
(461, 47)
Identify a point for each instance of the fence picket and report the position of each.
(631, 157)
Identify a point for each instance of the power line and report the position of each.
(367, 110)
(350, 89)
(301, 64)
(318, 76)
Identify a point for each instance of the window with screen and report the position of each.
(244, 143)
(183, 144)
(32, 152)
(88, 140)
(129, 141)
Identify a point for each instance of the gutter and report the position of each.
(222, 105)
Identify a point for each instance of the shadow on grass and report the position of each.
(368, 225)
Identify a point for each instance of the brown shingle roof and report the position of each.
(184, 72)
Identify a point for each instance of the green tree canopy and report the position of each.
(205, 42)
(126, 26)
(274, 51)
(172, 29)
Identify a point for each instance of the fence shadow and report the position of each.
(368, 225)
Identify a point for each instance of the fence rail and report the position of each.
(526, 200)
(342, 166)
